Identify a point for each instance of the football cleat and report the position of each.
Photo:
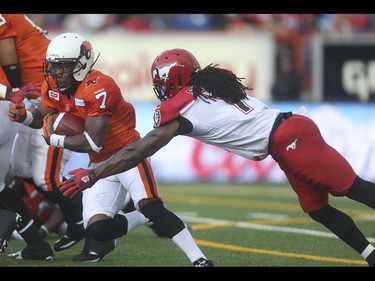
(202, 262)
(9, 222)
(74, 233)
(371, 259)
(87, 257)
(94, 251)
(65, 242)
(41, 252)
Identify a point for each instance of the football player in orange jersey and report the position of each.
(9, 199)
(22, 49)
(9, 219)
(72, 85)
(46, 215)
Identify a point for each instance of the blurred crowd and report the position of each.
(292, 33)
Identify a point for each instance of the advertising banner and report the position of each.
(345, 70)
(127, 57)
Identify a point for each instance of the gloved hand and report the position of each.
(17, 112)
(48, 128)
(29, 91)
(81, 180)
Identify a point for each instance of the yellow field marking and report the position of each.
(282, 221)
(198, 200)
(195, 227)
(198, 227)
(209, 200)
(246, 203)
(276, 253)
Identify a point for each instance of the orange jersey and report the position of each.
(40, 209)
(98, 94)
(3, 78)
(31, 44)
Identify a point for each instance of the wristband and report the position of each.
(57, 140)
(29, 118)
(3, 91)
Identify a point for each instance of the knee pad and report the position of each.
(165, 222)
(94, 231)
(108, 229)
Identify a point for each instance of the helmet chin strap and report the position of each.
(71, 90)
(64, 89)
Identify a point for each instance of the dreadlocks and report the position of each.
(220, 83)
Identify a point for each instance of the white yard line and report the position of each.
(190, 217)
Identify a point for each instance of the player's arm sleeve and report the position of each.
(185, 126)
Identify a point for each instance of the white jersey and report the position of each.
(243, 128)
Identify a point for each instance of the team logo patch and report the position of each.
(292, 146)
(86, 49)
(92, 81)
(53, 95)
(157, 118)
(79, 102)
(162, 73)
(85, 179)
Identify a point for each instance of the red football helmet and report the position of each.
(171, 71)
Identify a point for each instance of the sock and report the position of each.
(370, 258)
(186, 243)
(342, 225)
(367, 251)
(135, 219)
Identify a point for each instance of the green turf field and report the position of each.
(259, 225)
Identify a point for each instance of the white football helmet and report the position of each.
(69, 49)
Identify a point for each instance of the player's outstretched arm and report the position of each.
(131, 155)
(17, 95)
(81, 180)
(125, 159)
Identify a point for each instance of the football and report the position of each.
(68, 124)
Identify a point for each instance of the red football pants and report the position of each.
(313, 168)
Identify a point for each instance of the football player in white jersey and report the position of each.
(211, 105)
